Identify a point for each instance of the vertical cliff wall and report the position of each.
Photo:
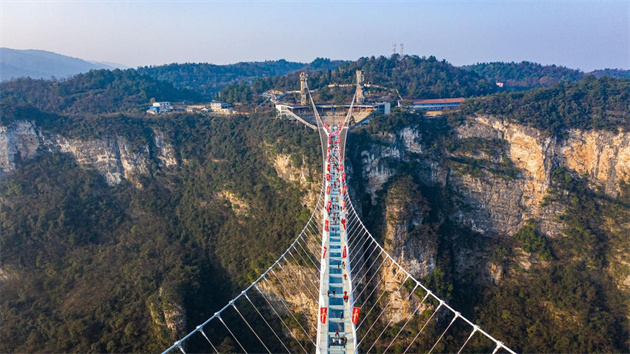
(115, 157)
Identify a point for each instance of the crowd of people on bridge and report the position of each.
(335, 190)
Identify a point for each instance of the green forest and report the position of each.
(591, 103)
(525, 75)
(93, 93)
(86, 262)
(208, 79)
(408, 77)
(89, 267)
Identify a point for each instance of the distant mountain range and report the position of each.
(208, 79)
(526, 75)
(36, 64)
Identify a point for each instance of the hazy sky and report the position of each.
(579, 34)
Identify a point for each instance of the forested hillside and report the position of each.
(92, 267)
(95, 92)
(614, 73)
(208, 79)
(525, 75)
(517, 205)
(588, 104)
(409, 76)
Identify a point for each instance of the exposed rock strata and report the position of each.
(496, 205)
(489, 203)
(302, 176)
(114, 157)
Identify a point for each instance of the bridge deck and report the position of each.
(336, 332)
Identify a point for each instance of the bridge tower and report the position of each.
(303, 88)
(359, 92)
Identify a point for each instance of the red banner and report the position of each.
(323, 312)
(345, 252)
(355, 315)
(325, 249)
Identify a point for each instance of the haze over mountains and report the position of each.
(41, 64)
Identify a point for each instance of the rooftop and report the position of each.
(439, 101)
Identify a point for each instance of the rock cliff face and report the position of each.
(114, 156)
(602, 157)
(167, 314)
(404, 215)
(496, 200)
(18, 142)
(299, 174)
(494, 204)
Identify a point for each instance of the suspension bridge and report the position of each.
(335, 289)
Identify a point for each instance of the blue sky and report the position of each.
(579, 34)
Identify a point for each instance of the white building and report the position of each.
(160, 107)
(220, 107)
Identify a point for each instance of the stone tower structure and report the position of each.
(303, 86)
(359, 93)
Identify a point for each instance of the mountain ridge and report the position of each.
(41, 64)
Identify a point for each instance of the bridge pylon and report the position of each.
(303, 88)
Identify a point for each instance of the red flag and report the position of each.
(328, 206)
(343, 221)
(323, 311)
(343, 177)
(345, 252)
(344, 189)
(328, 167)
(355, 315)
(328, 190)
(328, 176)
(326, 225)
(341, 167)
(344, 205)
(325, 249)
